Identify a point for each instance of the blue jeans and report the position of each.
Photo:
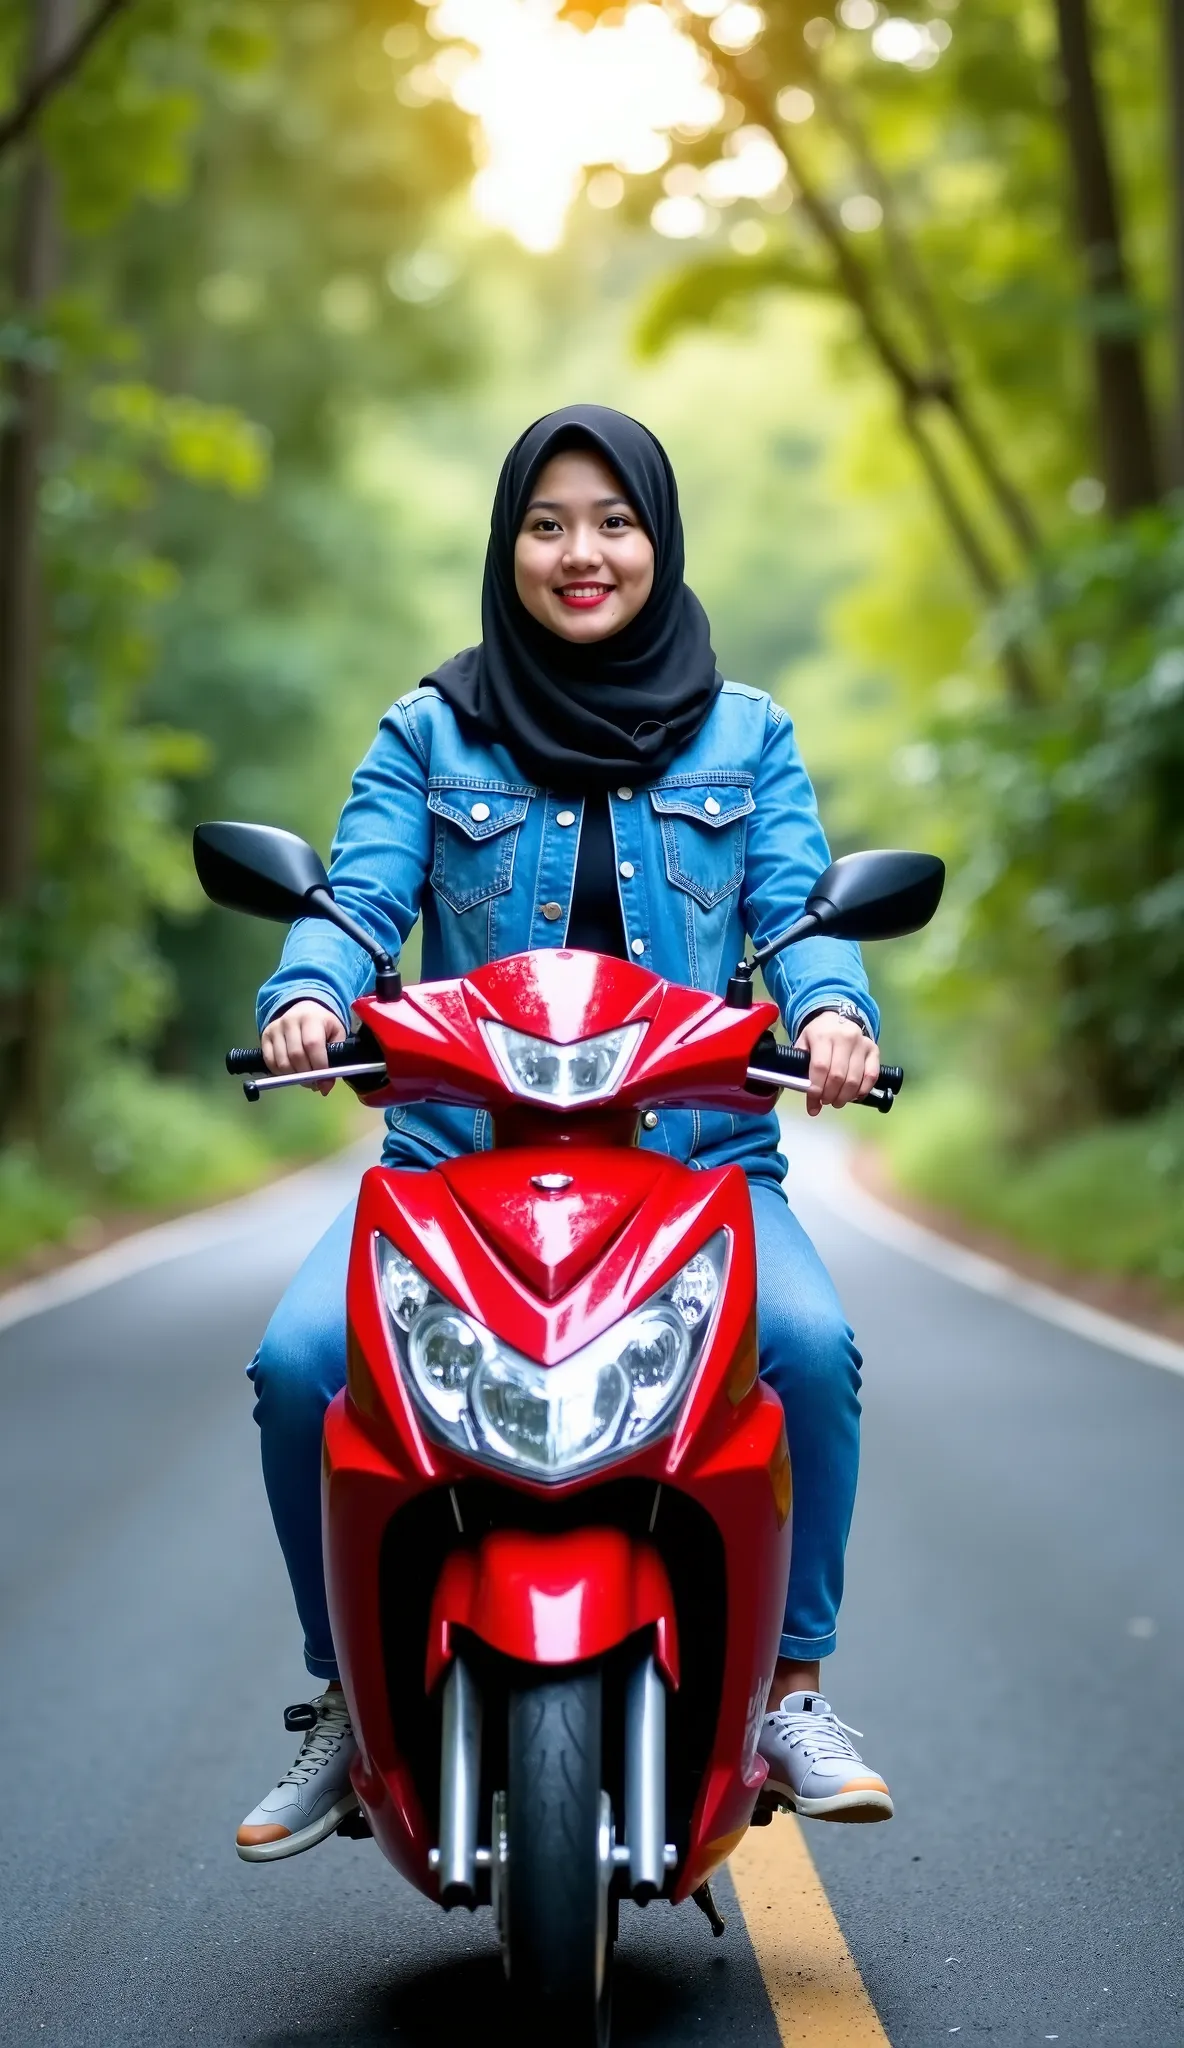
(808, 1356)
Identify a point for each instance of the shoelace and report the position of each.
(320, 1745)
(820, 1735)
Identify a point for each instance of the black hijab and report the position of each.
(583, 717)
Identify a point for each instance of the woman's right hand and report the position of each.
(298, 1041)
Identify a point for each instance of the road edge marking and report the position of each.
(814, 1987)
(831, 1180)
(199, 1231)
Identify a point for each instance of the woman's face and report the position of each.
(583, 562)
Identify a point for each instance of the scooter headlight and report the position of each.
(488, 1400)
(548, 1417)
(563, 1075)
(404, 1289)
(443, 1351)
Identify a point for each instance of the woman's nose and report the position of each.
(583, 551)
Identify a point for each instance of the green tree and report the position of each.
(228, 255)
(986, 194)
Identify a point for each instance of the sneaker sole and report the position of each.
(305, 1838)
(848, 1806)
(842, 1806)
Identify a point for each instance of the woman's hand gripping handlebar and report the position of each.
(352, 1058)
(784, 1066)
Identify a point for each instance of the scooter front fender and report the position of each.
(554, 1599)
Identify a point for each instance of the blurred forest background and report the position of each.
(902, 288)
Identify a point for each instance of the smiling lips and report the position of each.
(583, 597)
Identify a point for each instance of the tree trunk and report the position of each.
(1174, 53)
(1126, 442)
(22, 443)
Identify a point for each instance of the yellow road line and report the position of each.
(814, 1988)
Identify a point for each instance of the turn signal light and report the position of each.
(742, 1373)
(781, 1480)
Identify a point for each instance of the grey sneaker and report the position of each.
(814, 1765)
(315, 1796)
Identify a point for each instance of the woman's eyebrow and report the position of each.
(555, 504)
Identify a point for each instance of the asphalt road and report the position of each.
(1012, 1646)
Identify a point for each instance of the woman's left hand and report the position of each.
(843, 1063)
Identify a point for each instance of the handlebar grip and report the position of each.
(248, 1059)
(785, 1059)
(788, 1060)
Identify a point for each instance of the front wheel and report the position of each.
(558, 1862)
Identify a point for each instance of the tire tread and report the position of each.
(553, 1814)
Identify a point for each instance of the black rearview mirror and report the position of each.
(270, 873)
(879, 895)
(259, 869)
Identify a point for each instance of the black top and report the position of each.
(580, 715)
(595, 924)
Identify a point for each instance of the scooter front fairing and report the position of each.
(683, 1542)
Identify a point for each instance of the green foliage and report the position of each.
(135, 1142)
(111, 856)
(1071, 819)
(1058, 957)
(35, 1206)
(242, 194)
(124, 131)
(969, 157)
(702, 294)
(206, 444)
(1107, 1200)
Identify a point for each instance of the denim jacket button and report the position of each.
(624, 793)
(627, 870)
(479, 813)
(638, 946)
(711, 806)
(565, 817)
(552, 912)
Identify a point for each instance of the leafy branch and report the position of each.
(919, 384)
(48, 79)
(697, 292)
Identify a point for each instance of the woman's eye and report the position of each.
(616, 519)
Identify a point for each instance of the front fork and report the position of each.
(645, 1779)
(645, 1852)
(460, 1788)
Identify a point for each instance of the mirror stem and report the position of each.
(807, 923)
(739, 990)
(388, 983)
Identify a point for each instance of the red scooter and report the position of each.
(556, 1494)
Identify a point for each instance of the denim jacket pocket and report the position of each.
(476, 833)
(703, 830)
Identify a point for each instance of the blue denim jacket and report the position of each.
(726, 842)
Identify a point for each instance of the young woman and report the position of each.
(584, 777)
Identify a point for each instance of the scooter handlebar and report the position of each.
(773, 1066)
(795, 1064)
(248, 1059)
